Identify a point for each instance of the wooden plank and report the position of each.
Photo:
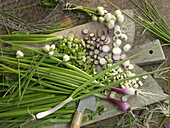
(153, 56)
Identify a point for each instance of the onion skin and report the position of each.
(126, 91)
(124, 106)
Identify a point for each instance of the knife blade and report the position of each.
(85, 103)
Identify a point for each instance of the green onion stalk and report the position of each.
(152, 20)
(31, 38)
(36, 75)
(58, 26)
(32, 103)
(78, 93)
(44, 82)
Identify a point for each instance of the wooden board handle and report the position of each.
(77, 119)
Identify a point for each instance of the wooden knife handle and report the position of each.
(77, 119)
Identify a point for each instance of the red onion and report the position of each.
(122, 105)
(107, 41)
(126, 91)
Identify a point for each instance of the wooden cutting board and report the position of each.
(150, 85)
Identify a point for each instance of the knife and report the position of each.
(85, 103)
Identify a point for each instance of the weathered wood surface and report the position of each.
(150, 85)
(154, 56)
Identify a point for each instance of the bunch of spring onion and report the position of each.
(151, 20)
(34, 75)
(96, 14)
(26, 71)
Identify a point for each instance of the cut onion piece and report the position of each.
(99, 57)
(115, 45)
(117, 27)
(103, 37)
(86, 38)
(92, 35)
(131, 66)
(91, 53)
(109, 61)
(118, 42)
(92, 47)
(88, 57)
(97, 45)
(115, 38)
(126, 48)
(101, 33)
(116, 51)
(102, 61)
(117, 33)
(107, 41)
(88, 41)
(85, 31)
(109, 32)
(98, 39)
(95, 56)
(100, 48)
(123, 56)
(92, 42)
(101, 42)
(124, 37)
(96, 51)
(124, 29)
(88, 46)
(126, 63)
(96, 62)
(105, 48)
(106, 57)
(116, 57)
(94, 38)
